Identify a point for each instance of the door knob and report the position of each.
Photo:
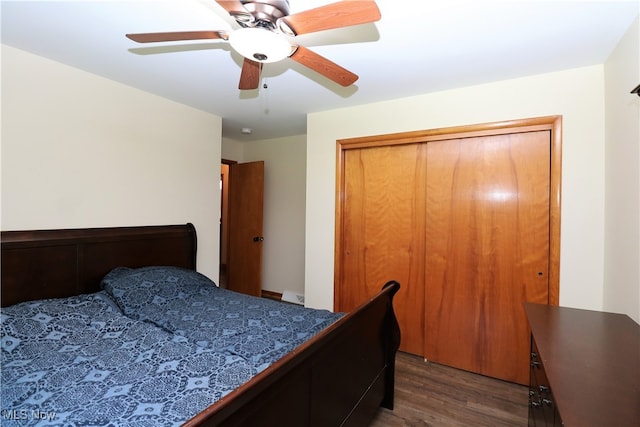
(258, 239)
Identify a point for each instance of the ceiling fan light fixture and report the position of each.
(258, 44)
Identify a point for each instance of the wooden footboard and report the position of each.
(339, 378)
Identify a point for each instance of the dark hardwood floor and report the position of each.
(429, 394)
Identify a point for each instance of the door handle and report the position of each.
(258, 239)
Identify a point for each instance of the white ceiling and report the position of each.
(419, 46)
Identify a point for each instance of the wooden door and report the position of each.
(487, 250)
(244, 257)
(382, 233)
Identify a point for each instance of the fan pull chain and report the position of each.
(265, 98)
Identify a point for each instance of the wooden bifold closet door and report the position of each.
(383, 232)
(463, 222)
(487, 250)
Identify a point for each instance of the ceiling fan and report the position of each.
(267, 34)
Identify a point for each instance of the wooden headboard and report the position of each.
(39, 264)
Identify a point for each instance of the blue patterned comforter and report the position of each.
(154, 348)
(188, 304)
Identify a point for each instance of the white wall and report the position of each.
(79, 150)
(232, 150)
(577, 95)
(284, 207)
(622, 178)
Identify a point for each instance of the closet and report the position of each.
(467, 220)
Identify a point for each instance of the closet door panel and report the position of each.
(487, 250)
(383, 218)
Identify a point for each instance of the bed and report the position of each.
(130, 287)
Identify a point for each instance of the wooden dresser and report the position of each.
(585, 368)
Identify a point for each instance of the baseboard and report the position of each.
(271, 295)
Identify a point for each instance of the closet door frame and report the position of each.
(551, 123)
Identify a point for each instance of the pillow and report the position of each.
(144, 293)
(45, 323)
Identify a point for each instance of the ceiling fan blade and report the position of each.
(250, 76)
(233, 7)
(322, 65)
(335, 15)
(181, 35)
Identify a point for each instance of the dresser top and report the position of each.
(592, 362)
